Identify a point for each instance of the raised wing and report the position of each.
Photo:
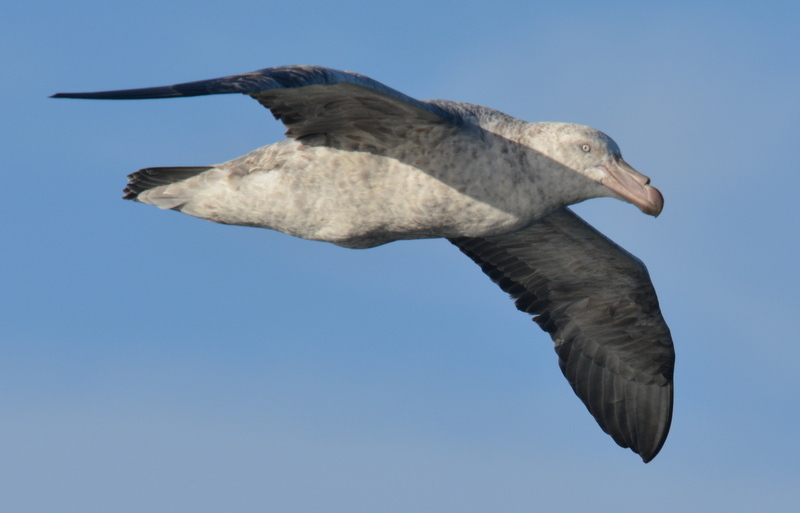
(598, 304)
(310, 100)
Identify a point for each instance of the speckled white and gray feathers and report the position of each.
(364, 165)
(431, 181)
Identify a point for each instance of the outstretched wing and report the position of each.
(598, 304)
(310, 100)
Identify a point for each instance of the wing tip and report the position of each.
(65, 95)
(148, 93)
(662, 432)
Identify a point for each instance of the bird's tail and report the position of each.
(164, 187)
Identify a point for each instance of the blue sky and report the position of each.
(154, 362)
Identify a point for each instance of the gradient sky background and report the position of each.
(151, 361)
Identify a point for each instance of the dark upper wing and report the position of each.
(597, 302)
(309, 100)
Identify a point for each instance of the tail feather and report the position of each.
(151, 177)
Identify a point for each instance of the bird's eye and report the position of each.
(586, 148)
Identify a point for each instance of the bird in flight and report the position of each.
(364, 165)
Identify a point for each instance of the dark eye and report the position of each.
(586, 148)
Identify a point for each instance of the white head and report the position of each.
(592, 154)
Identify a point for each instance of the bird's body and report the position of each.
(365, 196)
(365, 165)
(430, 179)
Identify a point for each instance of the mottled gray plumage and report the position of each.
(364, 165)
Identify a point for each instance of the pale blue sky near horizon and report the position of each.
(151, 361)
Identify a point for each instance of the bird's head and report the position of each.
(592, 154)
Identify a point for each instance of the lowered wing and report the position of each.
(598, 304)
